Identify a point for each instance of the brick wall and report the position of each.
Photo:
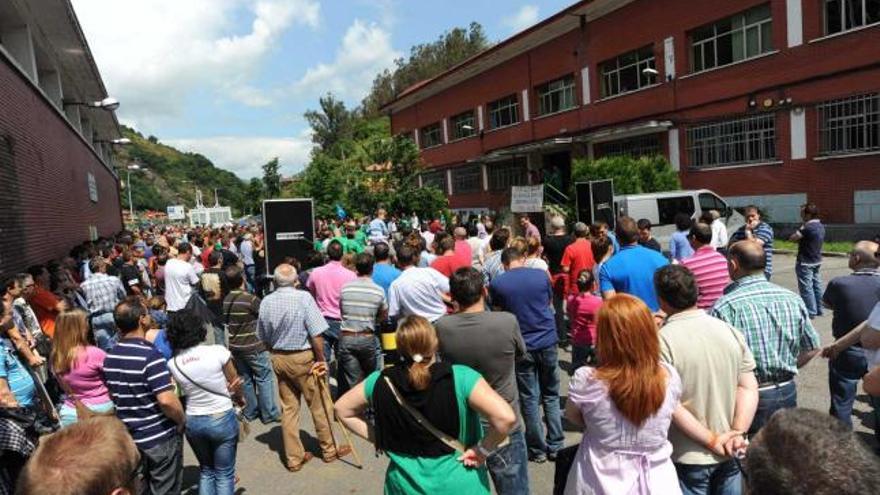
(45, 207)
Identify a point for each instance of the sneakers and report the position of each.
(538, 459)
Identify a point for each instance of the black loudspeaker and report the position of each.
(289, 227)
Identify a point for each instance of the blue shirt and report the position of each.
(288, 318)
(679, 246)
(631, 271)
(527, 293)
(810, 244)
(384, 274)
(17, 377)
(614, 244)
(135, 373)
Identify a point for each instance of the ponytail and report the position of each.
(417, 343)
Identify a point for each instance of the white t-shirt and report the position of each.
(873, 355)
(180, 276)
(204, 365)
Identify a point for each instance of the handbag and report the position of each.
(450, 442)
(82, 411)
(564, 460)
(244, 428)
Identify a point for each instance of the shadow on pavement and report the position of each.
(275, 442)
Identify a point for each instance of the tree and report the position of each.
(253, 197)
(331, 126)
(271, 179)
(631, 175)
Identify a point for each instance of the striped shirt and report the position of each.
(361, 302)
(241, 311)
(710, 271)
(135, 373)
(288, 317)
(773, 320)
(764, 233)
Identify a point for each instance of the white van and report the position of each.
(662, 207)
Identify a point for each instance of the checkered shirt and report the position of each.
(103, 292)
(288, 317)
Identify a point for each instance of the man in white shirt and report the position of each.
(180, 276)
(719, 231)
(417, 291)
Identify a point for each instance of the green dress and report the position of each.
(436, 475)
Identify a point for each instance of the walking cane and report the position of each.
(325, 398)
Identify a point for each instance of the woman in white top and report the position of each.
(207, 378)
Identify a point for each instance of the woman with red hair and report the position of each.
(628, 403)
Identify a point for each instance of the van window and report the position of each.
(667, 208)
(711, 202)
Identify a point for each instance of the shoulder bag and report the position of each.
(244, 428)
(450, 442)
(82, 411)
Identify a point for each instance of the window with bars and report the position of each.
(628, 72)
(739, 141)
(844, 15)
(556, 96)
(504, 112)
(436, 178)
(431, 135)
(467, 179)
(463, 125)
(739, 37)
(649, 145)
(504, 175)
(849, 125)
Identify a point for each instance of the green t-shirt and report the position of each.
(350, 245)
(429, 475)
(360, 237)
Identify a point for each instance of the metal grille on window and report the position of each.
(739, 37)
(733, 142)
(849, 125)
(436, 179)
(635, 147)
(629, 72)
(504, 175)
(844, 15)
(463, 125)
(467, 179)
(556, 96)
(431, 136)
(503, 112)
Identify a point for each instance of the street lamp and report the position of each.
(133, 166)
(109, 103)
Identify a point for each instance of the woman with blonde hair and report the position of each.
(78, 367)
(427, 418)
(533, 255)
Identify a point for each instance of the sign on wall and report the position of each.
(93, 187)
(527, 199)
(176, 212)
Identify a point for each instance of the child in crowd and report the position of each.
(583, 308)
(646, 239)
(156, 333)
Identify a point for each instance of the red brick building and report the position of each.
(773, 102)
(57, 183)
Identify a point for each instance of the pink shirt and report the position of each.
(582, 312)
(86, 378)
(463, 252)
(710, 270)
(325, 283)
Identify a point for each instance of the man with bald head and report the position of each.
(291, 327)
(776, 326)
(463, 249)
(851, 297)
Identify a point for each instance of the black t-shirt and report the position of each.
(229, 258)
(651, 244)
(554, 248)
(130, 277)
(852, 297)
(810, 244)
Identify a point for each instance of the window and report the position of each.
(431, 136)
(635, 147)
(436, 178)
(668, 208)
(850, 125)
(844, 15)
(732, 142)
(463, 125)
(503, 112)
(628, 72)
(711, 202)
(733, 39)
(467, 179)
(556, 96)
(506, 174)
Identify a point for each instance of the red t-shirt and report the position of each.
(463, 252)
(578, 256)
(44, 304)
(448, 264)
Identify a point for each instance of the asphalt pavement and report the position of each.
(262, 472)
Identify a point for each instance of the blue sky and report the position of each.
(231, 79)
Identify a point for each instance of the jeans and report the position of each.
(709, 479)
(250, 272)
(844, 373)
(508, 466)
(104, 330)
(162, 467)
(214, 441)
(772, 400)
(538, 384)
(219, 334)
(356, 359)
(810, 287)
(331, 337)
(255, 370)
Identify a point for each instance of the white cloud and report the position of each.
(154, 54)
(365, 51)
(525, 17)
(245, 155)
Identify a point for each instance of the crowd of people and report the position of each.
(439, 342)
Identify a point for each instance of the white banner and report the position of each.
(177, 212)
(527, 199)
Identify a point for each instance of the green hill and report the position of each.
(172, 176)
